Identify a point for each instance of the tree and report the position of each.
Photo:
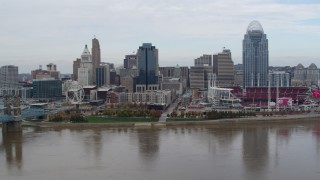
(153, 113)
(158, 113)
(145, 105)
(182, 114)
(77, 119)
(107, 112)
(55, 118)
(124, 105)
(174, 113)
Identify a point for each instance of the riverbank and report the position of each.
(287, 119)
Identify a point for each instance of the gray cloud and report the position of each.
(38, 32)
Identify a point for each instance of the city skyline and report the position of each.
(38, 33)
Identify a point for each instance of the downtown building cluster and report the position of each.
(140, 79)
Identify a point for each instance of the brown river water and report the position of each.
(261, 152)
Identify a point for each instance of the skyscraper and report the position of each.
(148, 68)
(200, 72)
(103, 75)
(223, 68)
(76, 66)
(199, 76)
(205, 60)
(8, 79)
(130, 61)
(96, 57)
(85, 71)
(255, 56)
(306, 75)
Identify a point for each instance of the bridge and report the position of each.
(11, 123)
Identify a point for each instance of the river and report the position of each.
(264, 152)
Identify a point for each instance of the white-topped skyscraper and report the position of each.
(255, 56)
(85, 72)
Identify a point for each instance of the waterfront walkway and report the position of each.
(312, 117)
(276, 117)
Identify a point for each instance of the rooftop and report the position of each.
(255, 26)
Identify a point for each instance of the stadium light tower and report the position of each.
(269, 94)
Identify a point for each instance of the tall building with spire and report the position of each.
(85, 72)
(96, 57)
(255, 56)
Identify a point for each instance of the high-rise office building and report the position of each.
(148, 68)
(76, 66)
(200, 72)
(96, 57)
(85, 73)
(205, 60)
(113, 76)
(279, 78)
(223, 68)
(130, 61)
(170, 71)
(199, 76)
(103, 75)
(175, 81)
(313, 74)
(8, 79)
(306, 75)
(255, 56)
(126, 78)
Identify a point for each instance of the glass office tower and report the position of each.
(148, 68)
(255, 56)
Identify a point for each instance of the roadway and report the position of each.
(169, 110)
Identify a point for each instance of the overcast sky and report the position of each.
(38, 32)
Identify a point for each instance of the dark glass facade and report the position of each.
(147, 65)
(100, 76)
(44, 89)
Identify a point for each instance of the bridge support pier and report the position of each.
(12, 126)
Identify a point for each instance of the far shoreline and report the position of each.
(258, 120)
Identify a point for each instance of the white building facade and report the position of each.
(85, 72)
(150, 97)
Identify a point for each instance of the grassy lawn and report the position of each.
(97, 119)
